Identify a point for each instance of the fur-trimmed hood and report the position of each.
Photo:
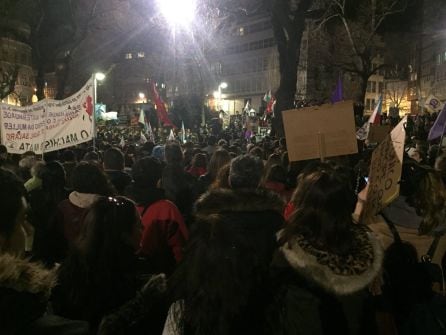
(239, 200)
(350, 275)
(23, 276)
(82, 200)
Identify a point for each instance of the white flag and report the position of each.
(171, 136)
(183, 133)
(122, 142)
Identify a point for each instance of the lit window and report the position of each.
(128, 56)
(141, 54)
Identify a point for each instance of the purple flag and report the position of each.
(438, 128)
(337, 94)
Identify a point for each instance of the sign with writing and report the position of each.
(378, 133)
(48, 125)
(320, 131)
(385, 171)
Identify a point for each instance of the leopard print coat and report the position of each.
(337, 274)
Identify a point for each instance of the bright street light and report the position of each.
(99, 76)
(180, 12)
(141, 95)
(223, 85)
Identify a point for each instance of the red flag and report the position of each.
(161, 111)
(270, 105)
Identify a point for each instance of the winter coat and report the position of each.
(323, 293)
(24, 291)
(247, 219)
(68, 221)
(164, 231)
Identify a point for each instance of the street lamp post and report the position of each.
(98, 76)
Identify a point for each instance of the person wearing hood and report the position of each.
(325, 261)
(25, 287)
(89, 182)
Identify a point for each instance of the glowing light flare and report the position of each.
(180, 12)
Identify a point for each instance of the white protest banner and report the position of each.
(320, 131)
(22, 128)
(66, 123)
(385, 171)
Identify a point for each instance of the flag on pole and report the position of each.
(161, 111)
(338, 94)
(171, 136)
(183, 133)
(150, 135)
(270, 105)
(143, 138)
(433, 104)
(363, 133)
(267, 96)
(375, 118)
(438, 128)
(247, 107)
(142, 119)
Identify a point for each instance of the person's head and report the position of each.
(222, 178)
(199, 160)
(3, 152)
(324, 202)
(53, 176)
(245, 172)
(158, 152)
(68, 156)
(111, 227)
(424, 189)
(173, 154)
(212, 140)
(12, 210)
(88, 178)
(113, 159)
(276, 173)
(37, 168)
(147, 172)
(219, 159)
(91, 156)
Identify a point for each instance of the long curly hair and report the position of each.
(324, 202)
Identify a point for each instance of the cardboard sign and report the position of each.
(385, 172)
(320, 131)
(378, 133)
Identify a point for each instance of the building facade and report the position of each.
(16, 53)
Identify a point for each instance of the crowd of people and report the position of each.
(217, 237)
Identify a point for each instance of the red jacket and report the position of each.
(164, 234)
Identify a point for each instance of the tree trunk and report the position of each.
(288, 28)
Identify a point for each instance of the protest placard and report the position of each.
(320, 131)
(48, 125)
(385, 172)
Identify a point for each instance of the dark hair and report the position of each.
(89, 178)
(218, 159)
(11, 193)
(324, 202)
(53, 176)
(173, 154)
(91, 156)
(276, 173)
(105, 224)
(245, 171)
(113, 159)
(146, 172)
(223, 277)
(211, 140)
(199, 160)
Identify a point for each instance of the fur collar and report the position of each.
(307, 265)
(240, 200)
(21, 275)
(82, 200)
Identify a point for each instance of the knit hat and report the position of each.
(245, 171)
